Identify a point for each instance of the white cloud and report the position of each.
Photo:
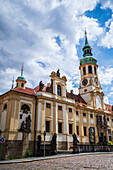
(106, 100)
(27, 35)
(105, 75)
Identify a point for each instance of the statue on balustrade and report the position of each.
(75, 144)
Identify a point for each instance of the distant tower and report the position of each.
(21, 81)
(12, 84)
(89, 87)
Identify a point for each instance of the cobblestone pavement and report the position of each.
(86, 162)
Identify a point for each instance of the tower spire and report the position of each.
(12, 84)
(86, 40)
(87, 48)
(22, 70)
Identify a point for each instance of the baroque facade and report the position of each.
(26, 113)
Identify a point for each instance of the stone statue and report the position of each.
(39, 142)
(79, 98)
(50, 89)
(53, 144)
(58, 73)
(72, 95)
(41, 86)
(97, 118)
(105, 121)
(22, 126)
(75, 144)
(28, 123)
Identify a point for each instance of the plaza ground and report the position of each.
(83, 162)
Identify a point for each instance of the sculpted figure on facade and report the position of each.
(41, 86)
(58, 73)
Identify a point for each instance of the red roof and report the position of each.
(26, 90)
(44, 89)
(32, 92)
(75, 97)
(109, 107)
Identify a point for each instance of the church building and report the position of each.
(25, 113)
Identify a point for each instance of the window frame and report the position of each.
(84, 114)
(70, 110)
(90, 69)
(77, 130)
(59, 90)
(77, 113)
(85, 130)
(60, 127)
(48, 105)
(47, 130)
(59, 107)
(84, 70)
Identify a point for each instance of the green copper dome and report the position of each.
(87, 55)
(88, 59)
(21, 78)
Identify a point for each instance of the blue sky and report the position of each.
(49, 34)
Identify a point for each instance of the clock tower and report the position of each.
(90, 88)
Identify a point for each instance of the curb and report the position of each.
(51, 157)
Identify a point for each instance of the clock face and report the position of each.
(96, 81)
(84, 82)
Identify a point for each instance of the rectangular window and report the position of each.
(59, 127)
(48, 105)
(77, 130)
(84, 114)
(109, 132)
(70, 128)
(70, 109)
(112, 120)
(85, 133)
(47, 126)
(76, 112)
(91, 115)
(59, 107)
(108, 119)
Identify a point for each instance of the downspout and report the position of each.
(35, 122)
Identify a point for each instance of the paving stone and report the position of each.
(86, 162)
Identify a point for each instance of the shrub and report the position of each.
(28, 152)
(110, 143)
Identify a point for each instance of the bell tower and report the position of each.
(21, 81)
(89, 87)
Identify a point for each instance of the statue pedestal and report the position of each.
(25, 142)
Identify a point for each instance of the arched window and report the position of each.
(22, 84)
(25, 108)
(89, 69)
(58, 90)
(95, 71)
(84, 70)
(5, 106)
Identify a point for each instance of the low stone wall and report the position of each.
(95, 148)
(13, 149)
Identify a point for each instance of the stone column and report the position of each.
(54, 118)
(81, 126)
(42, 121)
(67, 128)
(25, 143)
(88, 126)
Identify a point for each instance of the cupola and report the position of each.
(87, 54)
(21, 81)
